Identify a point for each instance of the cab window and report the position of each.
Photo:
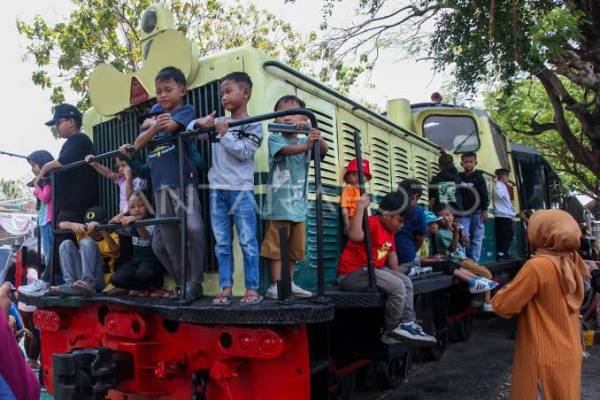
(456, 133)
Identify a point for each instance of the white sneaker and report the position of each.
(480, 285)
(37, 288)
(414, 334)
(299, 292)
(271, 292)
(487, 307)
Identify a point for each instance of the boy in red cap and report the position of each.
(351, 192)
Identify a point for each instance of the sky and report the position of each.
(26, 107)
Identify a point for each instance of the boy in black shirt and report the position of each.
(475, 204)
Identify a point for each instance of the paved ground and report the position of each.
(478, 369)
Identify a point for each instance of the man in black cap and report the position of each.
(76, 189)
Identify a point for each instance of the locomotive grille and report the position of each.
(124, 128)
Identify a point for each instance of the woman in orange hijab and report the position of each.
(546, 295)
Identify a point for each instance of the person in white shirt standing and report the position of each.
(505, 213)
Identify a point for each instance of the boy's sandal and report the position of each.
(222, 300)
(251, 299)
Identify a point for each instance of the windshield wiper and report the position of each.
(455, 151)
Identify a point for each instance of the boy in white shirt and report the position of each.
(505, 213)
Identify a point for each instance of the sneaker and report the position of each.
(413, 333)
(299, 292)
(271, 292)
(480, 285)
(422, 270)
(487, 307)
(38, 287)
(389, 339)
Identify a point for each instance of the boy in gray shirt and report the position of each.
(231, 184)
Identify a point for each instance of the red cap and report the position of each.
(353, 167)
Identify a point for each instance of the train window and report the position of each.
(457, 133)
(500, 145)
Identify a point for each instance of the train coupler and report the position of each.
(89, 373)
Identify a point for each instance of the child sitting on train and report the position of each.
(84, 264)
(400, 319)
(448, 242)
(351, 192)
(476, 284)
(231, 184)
(163, 161)
(287, 202)
(127, 184)
(143, 272)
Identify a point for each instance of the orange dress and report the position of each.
(349, 198)
(548, 348)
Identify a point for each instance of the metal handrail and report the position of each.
(181, 218)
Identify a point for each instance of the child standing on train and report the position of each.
(505, 213)
(448, 242)
(163, 161)
(43, 192)
(475, 204)
(351, 192)
(231, 183)
(400, 319)
(287, 202)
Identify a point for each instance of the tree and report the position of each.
(556, 43)
(107, 31)
(11, 189)
(527, 103)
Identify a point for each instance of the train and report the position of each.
(122, 347)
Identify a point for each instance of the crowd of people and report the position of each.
(134, 259)
(406, 238)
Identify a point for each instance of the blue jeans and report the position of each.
(474, 228)
(228, 207)
(47, 246)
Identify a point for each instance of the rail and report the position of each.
(181, 220)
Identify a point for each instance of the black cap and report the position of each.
(64, 111)
(95, 214)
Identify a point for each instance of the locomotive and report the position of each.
(124, 347)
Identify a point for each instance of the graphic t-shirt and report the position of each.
(354, 255)
(405, 237)
(141, 248)
(69, 192)
(288, 179)
(443, 239)
(163, 159)
(349, 198)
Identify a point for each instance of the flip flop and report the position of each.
(251, 299)
(221, 300)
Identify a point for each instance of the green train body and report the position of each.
(398, 146)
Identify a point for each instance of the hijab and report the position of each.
(555, 235)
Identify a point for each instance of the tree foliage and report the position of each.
(526, 103)
(100, 31)
(554, 42)
(11, 189)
